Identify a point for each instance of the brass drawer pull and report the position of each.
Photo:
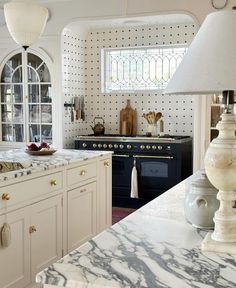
(106, 164)
(32, 229)
(82, 172)
(6, 196)
(83, 190)
(53, 182)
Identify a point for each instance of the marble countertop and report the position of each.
(152, 247)
(41, 163)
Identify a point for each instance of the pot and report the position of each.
(201, 203)
(99, 128)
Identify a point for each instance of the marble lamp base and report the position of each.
(208, 244)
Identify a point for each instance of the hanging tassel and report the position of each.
(134, 182)
(6, 235)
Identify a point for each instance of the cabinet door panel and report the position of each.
(46, 241)
(81, 215)
(15, 259)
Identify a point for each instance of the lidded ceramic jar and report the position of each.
(201, 203)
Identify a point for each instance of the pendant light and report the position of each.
(26, 20)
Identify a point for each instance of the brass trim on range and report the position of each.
(154, 157)
(121, 155)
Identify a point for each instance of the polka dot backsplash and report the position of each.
(82, 76)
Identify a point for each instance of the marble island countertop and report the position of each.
(35, 164)
(152, 247)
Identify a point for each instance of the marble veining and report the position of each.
(152, 247)
(40, 163)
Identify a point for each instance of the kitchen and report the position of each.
(73, 59)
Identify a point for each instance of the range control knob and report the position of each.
(154, 147)
(129, 146)
(142, 147)
(159, 147)
(115, 146)
(104, 145)
(95, 145)
(99, 145)
(110, 146)
(84, 145)
(121, 146)
(148, 147)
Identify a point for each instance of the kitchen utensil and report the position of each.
(128, 115)
(99, 128)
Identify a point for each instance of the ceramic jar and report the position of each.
(201, 203)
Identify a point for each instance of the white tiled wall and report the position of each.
(81, 52)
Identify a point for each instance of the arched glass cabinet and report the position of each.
(26, 99)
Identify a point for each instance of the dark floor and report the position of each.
(119, 213)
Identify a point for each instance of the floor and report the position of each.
(119, 213)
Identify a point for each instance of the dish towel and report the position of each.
(134, 182)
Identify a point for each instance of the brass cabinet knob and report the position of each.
(32, 229)
(5, 196)
(53, 182)
(82, 172)
(106, 164)
(83, 190)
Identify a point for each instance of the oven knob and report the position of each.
(121, 146)
(142, 147)
(110, 146)
(129, 146)
(104, 145)
(115, 146)
(148, 147)
(159, 147)
(99, 145)
(154, 147)
(95, 145)
(84, 145)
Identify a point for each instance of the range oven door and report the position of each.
(156, 174)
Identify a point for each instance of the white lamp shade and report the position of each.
(209, 65)
(25, 20)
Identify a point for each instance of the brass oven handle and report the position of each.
(53, 182)
(153, 156)
(6, 196)
(106, 164)
(32, 229)
(120, 155)
(82, 172)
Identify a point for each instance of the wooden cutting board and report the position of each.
(128, 120)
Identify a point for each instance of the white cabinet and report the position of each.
(15, 259)
(81, 215)
(104, 195)
(45, 233)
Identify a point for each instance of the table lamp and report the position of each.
(209, 67)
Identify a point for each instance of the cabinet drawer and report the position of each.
(28, 190)
(81, 173)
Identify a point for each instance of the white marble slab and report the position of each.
(41, 163)
(152, 247)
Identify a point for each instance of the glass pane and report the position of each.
(18, 113)
(33, 91)
(15, 61)
(17, 75)
(18, 132)
(6, 113)
(32, 75)
(44, 74)
(7, 132)
(17, 93)
(6, 93)
(46, 93)
(154, 169)
(34, 133)
(34, 61)
(47, 133)
(34, 114)
(6, 74)
(46, 113)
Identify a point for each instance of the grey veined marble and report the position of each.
(153, 247)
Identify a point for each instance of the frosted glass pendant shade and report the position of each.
(25, 20)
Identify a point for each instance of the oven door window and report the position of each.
(154, 169)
